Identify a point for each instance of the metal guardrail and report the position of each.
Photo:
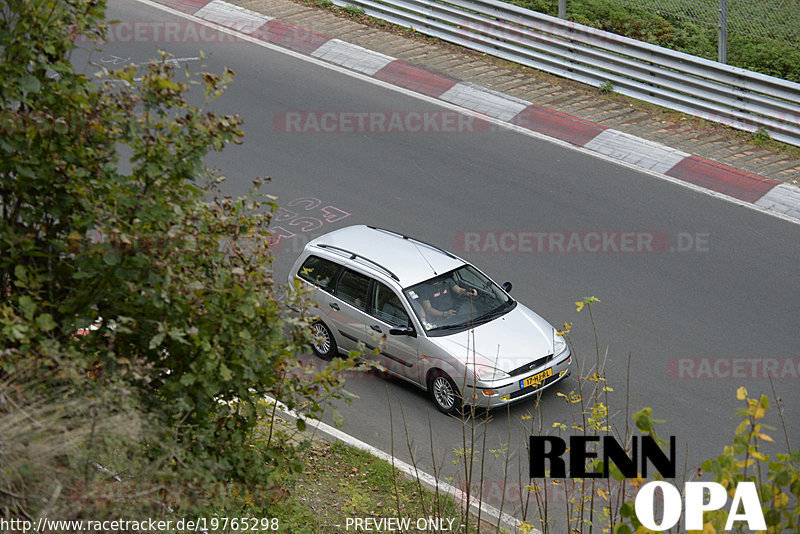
(733, 96)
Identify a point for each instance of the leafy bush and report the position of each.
(134, 284)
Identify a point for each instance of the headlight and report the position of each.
(559, 344)
(487, 373)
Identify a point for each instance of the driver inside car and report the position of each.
(438, 299)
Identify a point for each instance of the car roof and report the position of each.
(405, 259)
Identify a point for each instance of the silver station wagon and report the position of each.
(437, 321)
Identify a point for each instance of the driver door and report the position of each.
(399, 353)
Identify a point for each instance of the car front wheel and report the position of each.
(444, 393)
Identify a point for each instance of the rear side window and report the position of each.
(319, 271)
(352, 288)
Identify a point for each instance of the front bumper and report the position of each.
(508, 390)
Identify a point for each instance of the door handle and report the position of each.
(376, 328)
(334, 306)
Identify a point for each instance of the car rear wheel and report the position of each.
(444, 393)
(323, 344)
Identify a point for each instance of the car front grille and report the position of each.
(531, 365)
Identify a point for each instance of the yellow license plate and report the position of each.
(537, 379)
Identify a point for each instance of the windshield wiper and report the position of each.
(450, 327)
(497, 312)
(485, 318)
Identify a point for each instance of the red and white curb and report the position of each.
(352, 57)
(475, 505)
(700, 174)
(783, 198)
(635, 150)
(485, 101)
(231, 16)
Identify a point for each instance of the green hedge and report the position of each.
(669, 31)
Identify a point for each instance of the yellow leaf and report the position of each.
(579, 304)
(742, 426)
(765, 437)
(741, 393)
(636, 482)
(781, 500)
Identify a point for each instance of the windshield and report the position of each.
(457, 300)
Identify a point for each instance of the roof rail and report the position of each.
(421, 242)
(353, 256)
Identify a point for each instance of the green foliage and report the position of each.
(677, 33)
(761, 136)
(185, 313)
(608, 504)
(767, 57)
(606, 87)
(777, 480)
(588, 501)
(353, 10)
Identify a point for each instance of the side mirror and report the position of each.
(403, 331)
(506, 287)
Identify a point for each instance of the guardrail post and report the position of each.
(562, 9)
(722, 39)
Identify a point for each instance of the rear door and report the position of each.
(320, 272)
(348, 311)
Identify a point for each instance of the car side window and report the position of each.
(352, 288)
(319, 271)
(387, 306)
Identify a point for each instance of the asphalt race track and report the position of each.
(698, 305)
